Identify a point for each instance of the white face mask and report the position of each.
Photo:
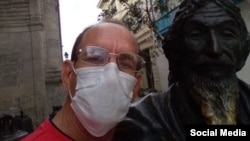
(102, 97)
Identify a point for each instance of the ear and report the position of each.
(137, 86)
(66, 74)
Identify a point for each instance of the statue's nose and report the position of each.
(214, 48)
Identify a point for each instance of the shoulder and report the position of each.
(244, 91)
(154, 102)
(138, 121)
(145, 106)
(46, 131)
(146, 120)
(37, 134)
(244, 86)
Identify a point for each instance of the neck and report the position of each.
(68, 123)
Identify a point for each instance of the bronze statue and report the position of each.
(206, 45)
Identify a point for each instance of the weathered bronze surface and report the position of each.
(206, 45)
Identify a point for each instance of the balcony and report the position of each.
(165, 21)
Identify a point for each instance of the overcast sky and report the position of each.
(75, 16)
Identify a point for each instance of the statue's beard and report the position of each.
(216, 97)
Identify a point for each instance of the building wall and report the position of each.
(53, 61)
(30, 57)
(245, 11)
(144, 38)
(163, 70)
(145, 41)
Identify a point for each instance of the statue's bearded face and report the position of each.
(211, 45)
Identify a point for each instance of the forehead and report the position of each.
(111, 36)
(211, 14)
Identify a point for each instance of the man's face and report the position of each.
(113, 38)
(211, 42)
(110, 39)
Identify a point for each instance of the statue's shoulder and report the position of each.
(152, 108)
(155, 98)
(149, 119)
(244, 87)
(147, 98)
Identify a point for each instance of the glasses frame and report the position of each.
(108, 57)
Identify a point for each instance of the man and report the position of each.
(206, 45)
(101, 78)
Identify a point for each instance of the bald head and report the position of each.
(108, 29)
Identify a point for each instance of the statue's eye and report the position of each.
(195, 34)
(228, 30)
(227, 34)
(195, 30)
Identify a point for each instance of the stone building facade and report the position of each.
(145, 40)
(30, 58)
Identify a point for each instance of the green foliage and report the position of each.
(161, 5)
(137, 15)
(135, 18)
(107, 14)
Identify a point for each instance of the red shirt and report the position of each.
(47, 131)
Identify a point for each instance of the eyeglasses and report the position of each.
(127, 62)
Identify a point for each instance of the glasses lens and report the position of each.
(130, 62)
(94, 55)
(127, 62)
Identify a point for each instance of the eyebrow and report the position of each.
(218, 22)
